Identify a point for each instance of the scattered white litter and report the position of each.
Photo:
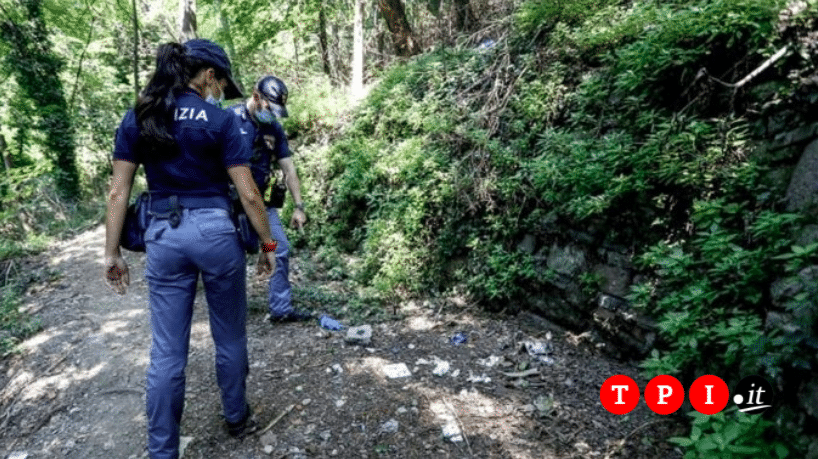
(396, 370)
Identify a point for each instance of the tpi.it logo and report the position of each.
(664, 394)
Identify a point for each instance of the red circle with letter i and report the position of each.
(619, 394)
(664, 394)
(709, 394)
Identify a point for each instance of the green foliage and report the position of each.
(730, 435)
(537, 14)
(710, 287)
(14, 325)
(36, 69)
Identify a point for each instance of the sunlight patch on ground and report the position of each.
(48, 386)
(86, 244)
(39, 339)
(113, 327)
(472, 413)
(379, 368)
(421, 323)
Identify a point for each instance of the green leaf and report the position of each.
(681, 441)
(738, 449)
(707, 444)
(695, 433)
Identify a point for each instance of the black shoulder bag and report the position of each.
(136, 222)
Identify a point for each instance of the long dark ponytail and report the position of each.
(157, 103)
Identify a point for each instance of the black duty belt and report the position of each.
(170, 207)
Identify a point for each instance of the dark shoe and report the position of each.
(293, 316)
(243, 428)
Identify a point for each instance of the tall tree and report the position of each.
(403, 38)
(135, 51)
(322, 37)
(358, 51)
(36, 69)
(187, 20)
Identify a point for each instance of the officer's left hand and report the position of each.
(298, 219)
(116, 274)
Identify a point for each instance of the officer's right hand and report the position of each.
(266, 263)
(116, 274)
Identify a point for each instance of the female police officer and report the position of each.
(191, 149)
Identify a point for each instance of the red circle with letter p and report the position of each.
(664, 394)
(619, 394)
(709, 394)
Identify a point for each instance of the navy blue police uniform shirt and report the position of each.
(252, 133)
(209, 143)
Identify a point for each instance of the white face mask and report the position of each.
(210, 99)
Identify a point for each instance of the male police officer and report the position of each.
(266, 137)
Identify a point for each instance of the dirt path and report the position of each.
(76, 389)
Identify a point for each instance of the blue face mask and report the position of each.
(265, 116)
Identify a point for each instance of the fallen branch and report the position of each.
(778, 55)
(275, 421)
(522, 374)
(462, 429)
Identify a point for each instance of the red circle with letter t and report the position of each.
(709, 394)
(619, 394)
(664, 394)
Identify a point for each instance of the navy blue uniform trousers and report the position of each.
(279, 289)
(206, 243)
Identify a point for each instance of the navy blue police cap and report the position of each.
(275, 91)
(212, 53)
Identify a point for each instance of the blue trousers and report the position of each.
(206, 243)
(279, 291)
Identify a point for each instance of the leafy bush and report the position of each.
(730, 435)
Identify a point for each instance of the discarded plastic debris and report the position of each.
(329, 323)
(535, 348)
(540, 350)
(490, 361)
(478, 379)
(544, 405)
(441, 368)
(396, 370)
(488, 43)
(452, 432)
(18, 455)
(458, 339)
(359, 335)
(390, 426)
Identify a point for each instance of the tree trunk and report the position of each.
(187, 20)
(322, 39)
(402, 37)
(135, 51)
(464, 19)
(36, 69)
(357, 88)
(6, 160)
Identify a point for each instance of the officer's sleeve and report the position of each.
(236, 152)
(282, 146)
(126, 136)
